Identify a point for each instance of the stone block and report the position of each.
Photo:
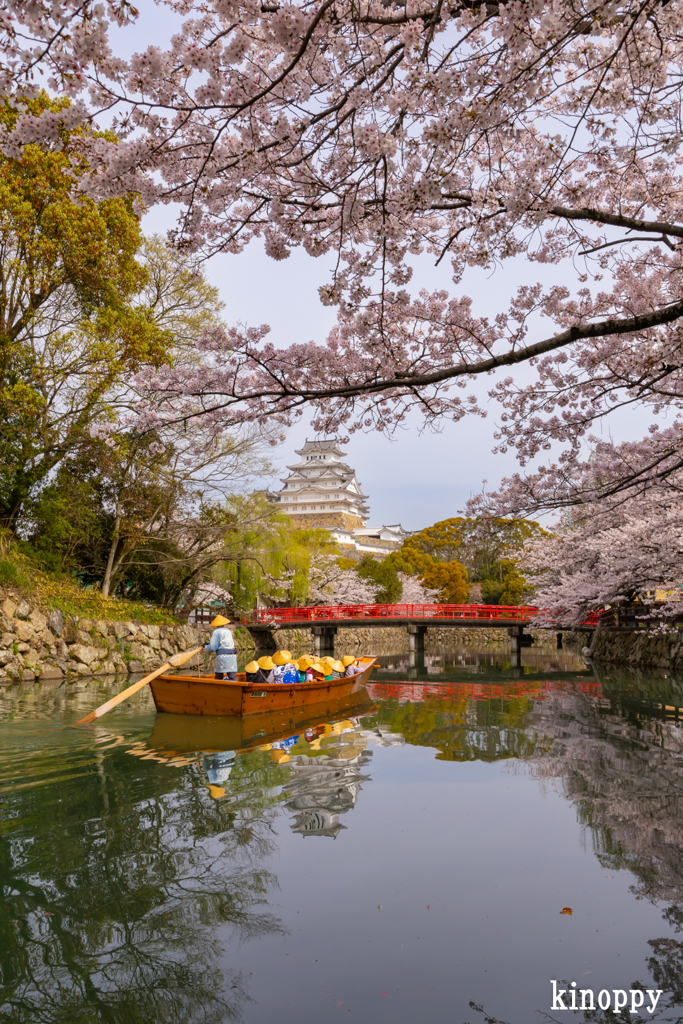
(102, 627)
(135, 667)
(23, 630)
(14, 669)
(70, 633)
(47, 638)
(86, 624)
(140, 652)
(6, 657)
(22, 648)
(8, 607)
(76, 668)
(28, 675)
(107, 668)
(7, 639)
(119, 629)
(55, 621)
(83, 653)
(31, 659)
(83, 638)
(23, 609)
(131, 628)
(38, 620)
(50, 672)
(152, 663)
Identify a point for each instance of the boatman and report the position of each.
(224, 646)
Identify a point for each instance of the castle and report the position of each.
(322, 491)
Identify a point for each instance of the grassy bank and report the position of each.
(20, 573)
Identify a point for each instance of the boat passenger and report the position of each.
(285, 671)
(303, 664)
(222, 643)
(339, 669)
(267, 665)
(351, 666)
(255, 674)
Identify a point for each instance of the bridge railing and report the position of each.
(443, 612)
(322, 613)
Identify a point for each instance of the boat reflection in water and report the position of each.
(324, 752)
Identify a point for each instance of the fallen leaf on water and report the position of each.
(427, 906)
(340, 1002)
(566, 910)
(381, 993)
(609, 876)
(48, 913)
(379, 906)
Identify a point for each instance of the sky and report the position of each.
(417, 477)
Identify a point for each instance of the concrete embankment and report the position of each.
(35, 644)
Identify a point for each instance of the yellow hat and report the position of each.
(266, 663)
(348, 660)
(220, 620)
(321, 668)
(251, 667)
(279, 658)
(338, 666)
(287, 655)
(304, 662)
(329, 659)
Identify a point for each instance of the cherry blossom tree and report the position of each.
(608, 554)
(374, 134)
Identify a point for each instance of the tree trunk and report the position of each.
(108, 572)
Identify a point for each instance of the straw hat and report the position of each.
(329, 659)
(279, 658)
(348, 660)
(320, 668)
(220, 620)
(287, 655)
(251, 667)
(266, 663)
(338, 666)
(304, 662)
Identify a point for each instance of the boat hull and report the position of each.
(203, 695)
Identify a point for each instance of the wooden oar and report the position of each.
(174, 662)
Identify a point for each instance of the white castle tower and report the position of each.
(323, 491)
(323, 488)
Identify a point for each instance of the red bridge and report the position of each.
(325, 620)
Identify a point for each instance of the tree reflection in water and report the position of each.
(613, 747)
(114, 885)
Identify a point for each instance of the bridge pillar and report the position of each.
(518, 640)
(323, 639)
(416, 638)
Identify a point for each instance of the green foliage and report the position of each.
(449, 578)
(485, 550)
(385, 577)
(266, 556)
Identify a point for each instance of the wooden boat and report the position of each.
(173, 734)
(204, 695)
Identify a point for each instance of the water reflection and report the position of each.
(136, 857)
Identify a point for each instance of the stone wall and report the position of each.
(664, 650)
(395, 639)
(36, 645)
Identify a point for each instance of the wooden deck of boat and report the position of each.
(204, 695)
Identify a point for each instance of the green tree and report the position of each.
(384, 576)
(68, 328)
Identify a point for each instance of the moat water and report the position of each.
(396, 862)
